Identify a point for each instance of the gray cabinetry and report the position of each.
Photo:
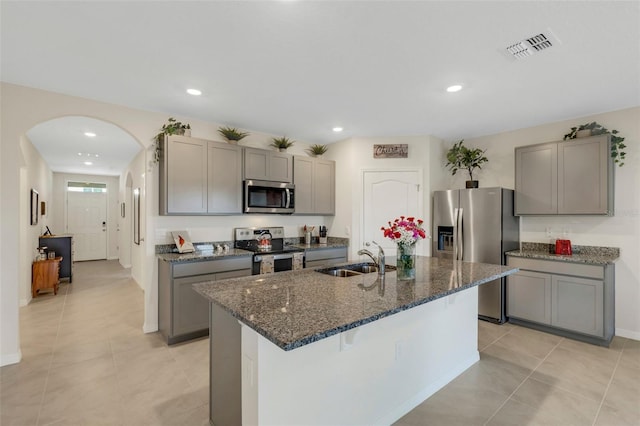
(183, 176)
(571, 299)
(324, 257)
(315, 185)
(224, 178)
(261, 164)
(579, 304)
(565, 177)
(183, 314)
(200, 177)
(537, 179)
(529, 296)
(585, 176)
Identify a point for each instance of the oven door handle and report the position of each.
(281, 256)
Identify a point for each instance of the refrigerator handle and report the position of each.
(459, 235)
(455, 233)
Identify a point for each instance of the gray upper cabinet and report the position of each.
(224, 179)
(565, 178)
(537, 179)
(262, 164)
(183, 176)
(200, 177)
(585, 176)
(315, 181)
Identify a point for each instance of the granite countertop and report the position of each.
(199, 255)
(593, 255)
(295, 308)
(316, 246)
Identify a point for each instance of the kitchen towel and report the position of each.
(266, 266)
(298, 261)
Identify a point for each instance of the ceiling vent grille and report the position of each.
(532, 45)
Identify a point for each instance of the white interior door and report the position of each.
(388, 195)
(87, 221)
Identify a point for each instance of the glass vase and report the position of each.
(406, 262)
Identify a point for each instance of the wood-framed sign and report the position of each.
(400, 150)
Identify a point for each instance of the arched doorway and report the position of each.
(87, 150)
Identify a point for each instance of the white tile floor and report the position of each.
(87, 362)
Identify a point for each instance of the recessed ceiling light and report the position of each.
(337, 129)
(79, 153)
(194, 92)
(454, 88)
(90, 134)
(88, 163)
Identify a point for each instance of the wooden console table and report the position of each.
(45, 274)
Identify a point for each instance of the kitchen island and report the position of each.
(302, 347)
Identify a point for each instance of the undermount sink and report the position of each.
(340, 272)
(352, 269)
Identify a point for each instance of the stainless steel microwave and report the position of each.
(261, 196)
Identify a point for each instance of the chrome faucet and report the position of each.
(380, 261)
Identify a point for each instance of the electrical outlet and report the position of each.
(549, 233)
(398, 354)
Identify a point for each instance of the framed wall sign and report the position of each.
(34, 206)
(391, 151)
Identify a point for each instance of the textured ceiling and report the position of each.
(299, 68)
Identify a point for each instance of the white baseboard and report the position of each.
(24, 302)
(150, 328)
(10, 358)
(629, 334)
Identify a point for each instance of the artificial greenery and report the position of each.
(173, 127)
(317, 149)
(617, 146)
(232, 134)
(459, 157)
(281, 142)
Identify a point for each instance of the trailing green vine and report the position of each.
(617, 146)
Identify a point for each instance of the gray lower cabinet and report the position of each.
(572, 177)
(262, 164)
(529, 296)
(315, 181)
(571, 299)
(182, 313)
(200, 177)
(318, 258)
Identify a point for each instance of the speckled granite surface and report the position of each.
(205, 250)
(199, 255)
(594, 255)
(295, 308)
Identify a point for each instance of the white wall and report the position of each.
(622, 230)
(356, 155)
(37, 175)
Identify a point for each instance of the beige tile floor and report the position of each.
(87, 362)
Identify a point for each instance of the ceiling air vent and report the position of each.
(531, 45)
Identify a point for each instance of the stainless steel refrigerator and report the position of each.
(477, 225)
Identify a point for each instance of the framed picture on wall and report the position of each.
(34, 207)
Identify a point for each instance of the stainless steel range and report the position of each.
(270, 253)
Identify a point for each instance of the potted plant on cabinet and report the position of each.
(594, 129)
(232, 135)
(459, 157)
(317, 150)
(282, 143)
(171, 127)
